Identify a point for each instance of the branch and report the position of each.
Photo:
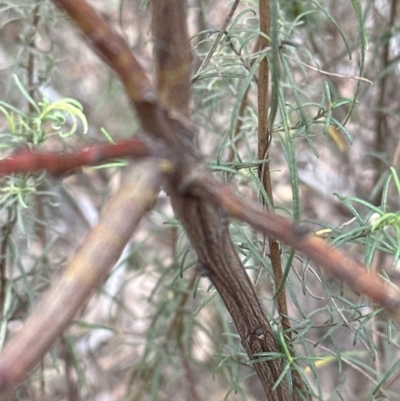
(116, 53)
(86, 270)
(337, 264)
(24, 161)
(172, 55)
(202, 210)
(206, 224)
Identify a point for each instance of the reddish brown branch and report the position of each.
(263, 84)
(32, 56)
(58, 163)
(117, 54)
(334, 262)
(111, 47)
(264, 141)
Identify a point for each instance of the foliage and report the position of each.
(156, 324)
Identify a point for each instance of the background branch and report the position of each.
(86, 270)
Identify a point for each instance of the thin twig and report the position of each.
(219, 37)
(381, 122)
(6, 231)
(331, 74)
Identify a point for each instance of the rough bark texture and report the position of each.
(207, 224)
(207, 227)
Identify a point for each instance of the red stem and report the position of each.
(58, 163)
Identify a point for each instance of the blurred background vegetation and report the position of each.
(155, 330)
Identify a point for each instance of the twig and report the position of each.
(6, 231)
(24, 161)
(331, 74)
(219, 37)
(381, 122)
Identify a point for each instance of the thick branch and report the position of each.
(205, 223)
(88, 267)
(207, 228)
